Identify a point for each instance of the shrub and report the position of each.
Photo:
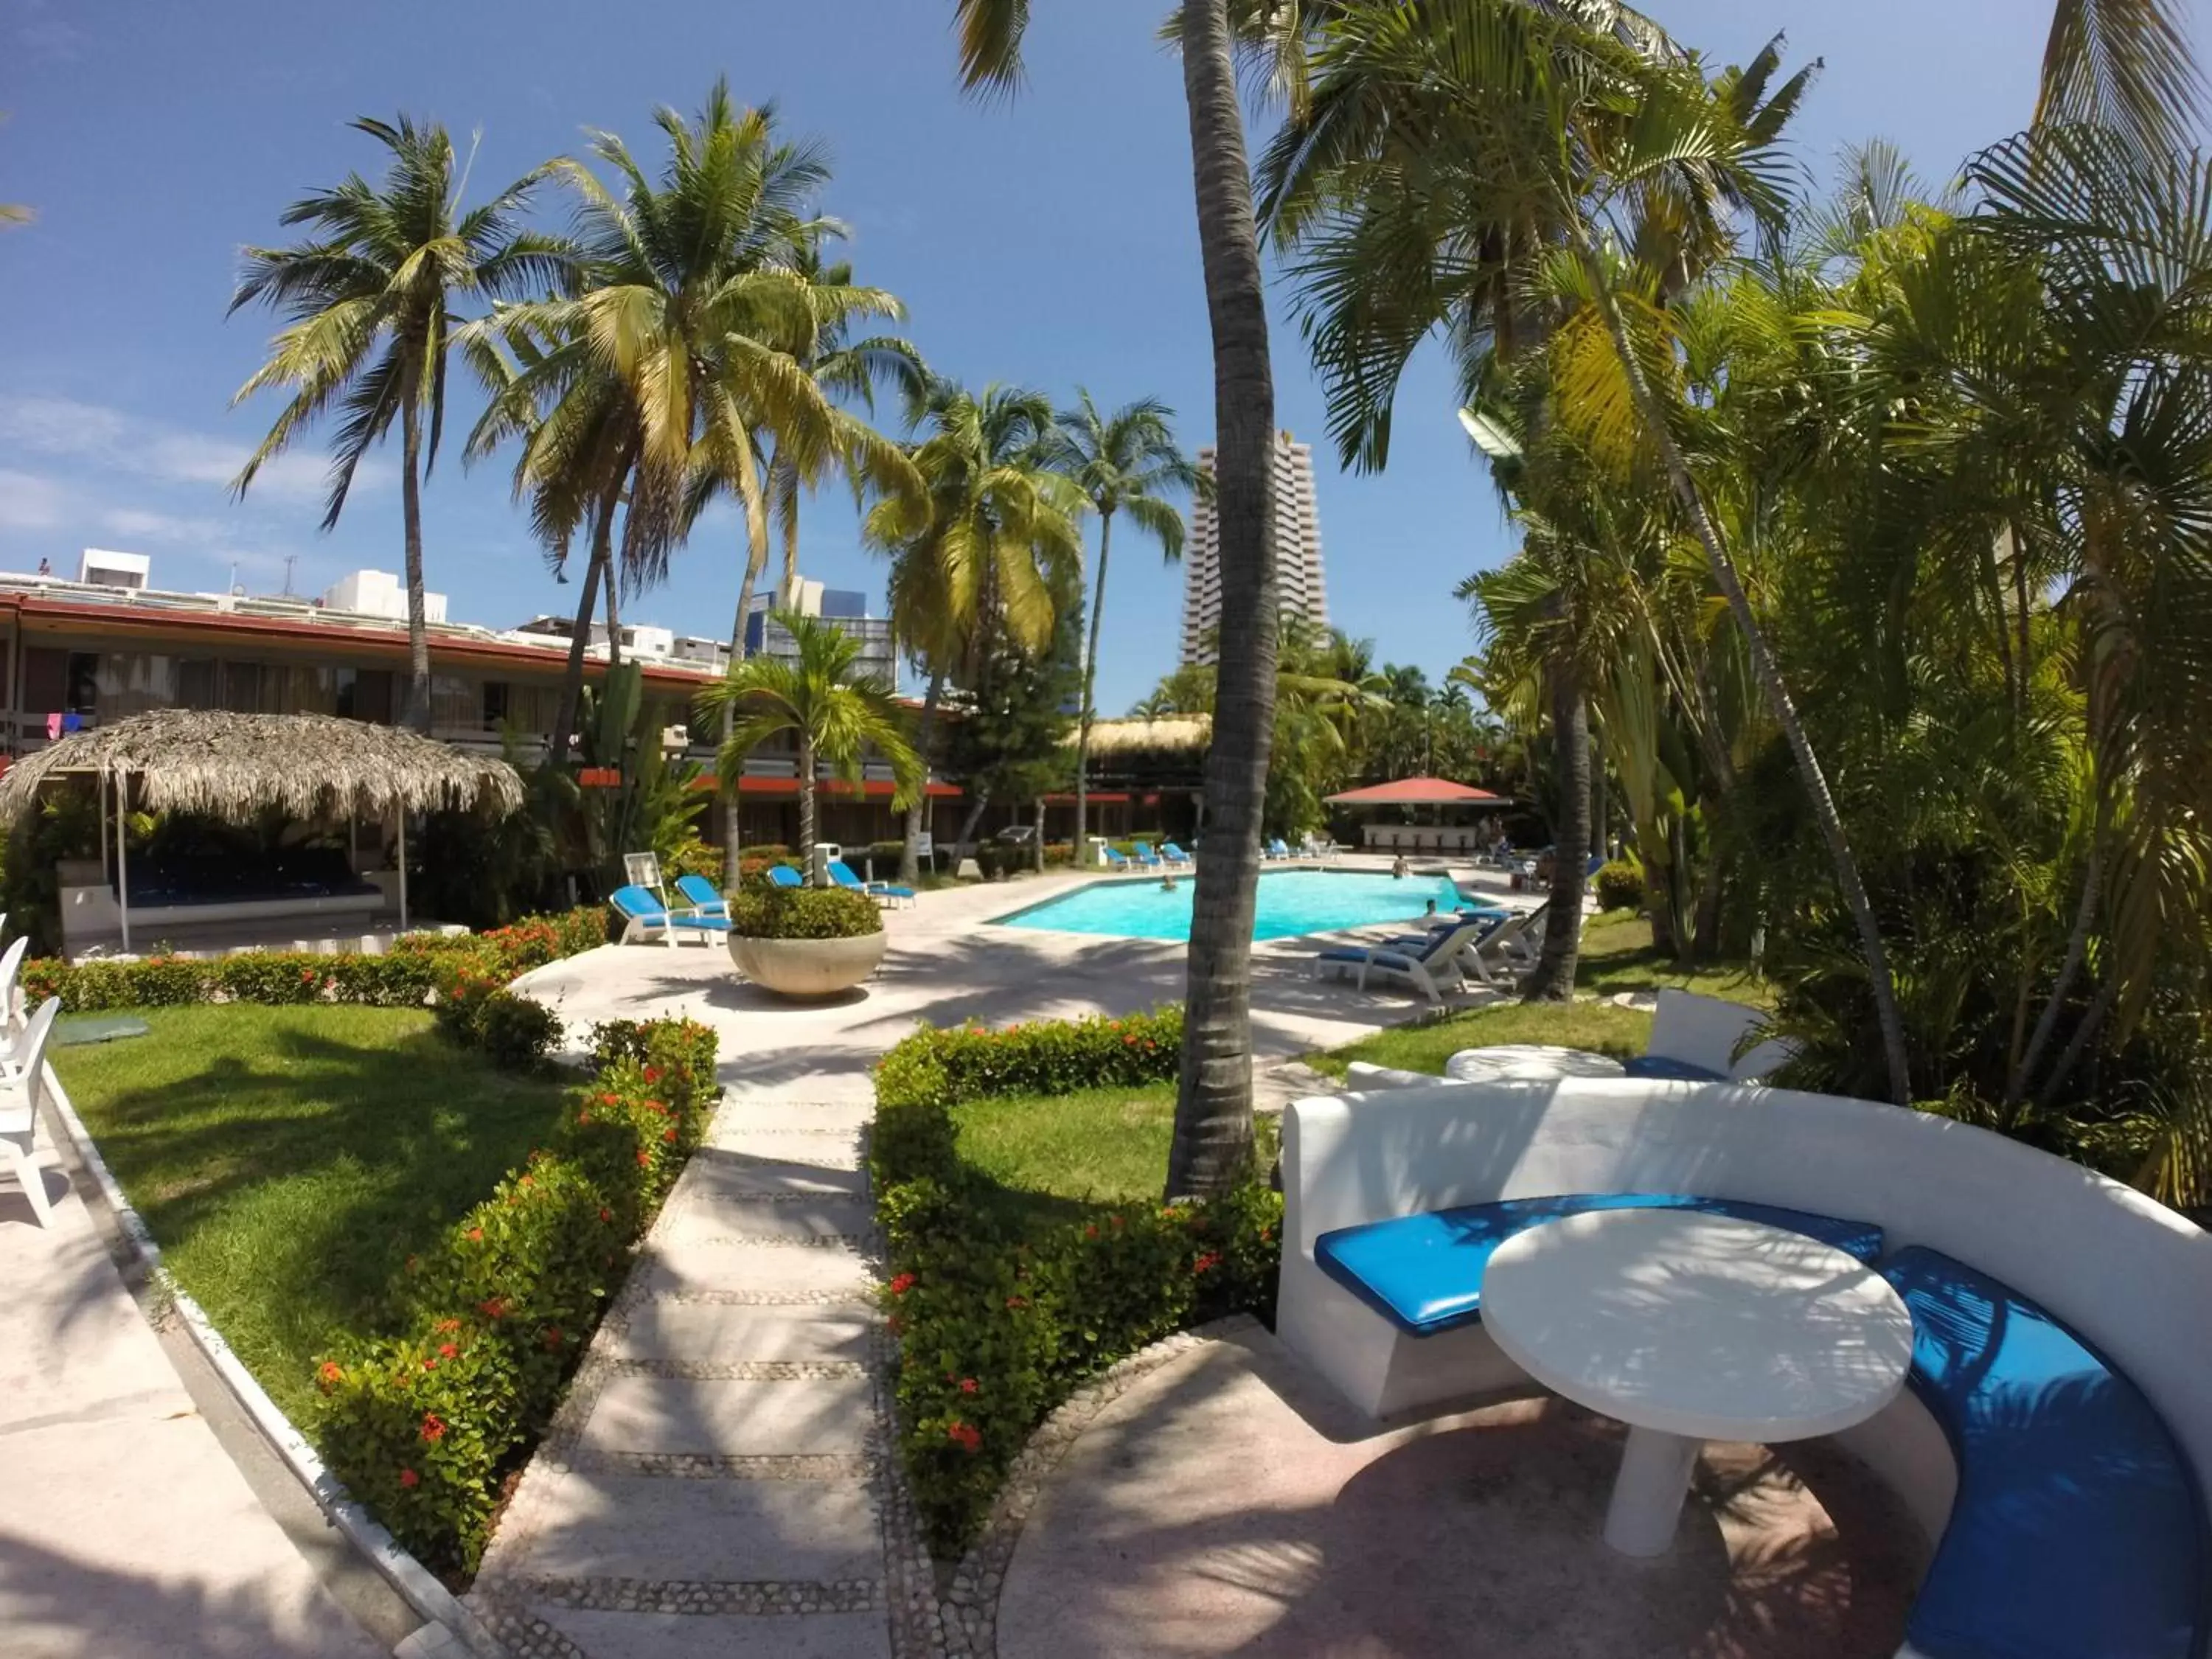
(1620, 885)
(764, 911)
(404, 977)
(995, 1330)
(422, 1423)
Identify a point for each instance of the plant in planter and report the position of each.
(805, 941)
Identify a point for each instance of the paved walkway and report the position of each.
(717, 1482)
(714, 1486)
(126, 1532)
(1229, 1503)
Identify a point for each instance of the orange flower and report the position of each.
(409, 1479)
(448, 1350)
(434, 1427)
(476, 1234)
(328, 1372)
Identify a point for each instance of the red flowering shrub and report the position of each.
(996, 1329)
(421, 1425)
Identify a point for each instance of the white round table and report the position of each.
(1523, 1062)
(1690, 1327)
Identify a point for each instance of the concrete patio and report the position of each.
(946, 964)
(1230, 1504)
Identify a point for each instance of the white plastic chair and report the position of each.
(21, 1097)
(11, 963)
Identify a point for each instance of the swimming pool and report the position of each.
(1291, 902)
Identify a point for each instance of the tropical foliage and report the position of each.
(370, 299)
(1872, 537)
(834, 716)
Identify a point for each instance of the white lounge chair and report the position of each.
(1694, 1038)
(1427, 966)
(20, 1100)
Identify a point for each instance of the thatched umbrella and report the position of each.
(236, 766)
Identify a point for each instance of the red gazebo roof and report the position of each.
(1416, 792)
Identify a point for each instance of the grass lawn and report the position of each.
(1058, 1157)
(1616, 956)
(290, 1160)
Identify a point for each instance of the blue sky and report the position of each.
(1046, 241)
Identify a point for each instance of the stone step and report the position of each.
(601, 1526)
(704, 1218)
(754, 1270)
(782, 1117)
(731, 1418)
(742, 1172)
(702, 1331)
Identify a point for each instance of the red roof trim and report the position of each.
(1416, 792)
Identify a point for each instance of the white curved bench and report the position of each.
(2127, 1273)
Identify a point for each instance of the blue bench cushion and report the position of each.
(1662, 1068)
(2078, 1528)
(1423, 1273)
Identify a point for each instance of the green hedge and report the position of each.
(403, 977)
(766, 912)
(424, 1424)
(996, 1329)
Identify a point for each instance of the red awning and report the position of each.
(1418, 792)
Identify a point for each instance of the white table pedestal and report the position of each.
(1648, 1492)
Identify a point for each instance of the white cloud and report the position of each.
(136, 523)
(29, 501)
(116, 441)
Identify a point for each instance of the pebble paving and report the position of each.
(718, 1482)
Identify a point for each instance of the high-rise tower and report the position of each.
(1300, 590)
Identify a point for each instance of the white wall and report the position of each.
(379, 594)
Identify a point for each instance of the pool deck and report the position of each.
(946, 965)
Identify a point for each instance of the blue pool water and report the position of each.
(1291, 902)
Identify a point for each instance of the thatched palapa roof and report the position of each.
(235, 766)
(1171, 731)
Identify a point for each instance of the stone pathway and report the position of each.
(717, 1482)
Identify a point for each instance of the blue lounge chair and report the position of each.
(1141, 852)
(644, 916)
(840, 873)
(1175, 855)
(782, 875)
(1278, 848)
(705, 898)
(1117, 860)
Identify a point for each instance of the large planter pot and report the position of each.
(807, 967)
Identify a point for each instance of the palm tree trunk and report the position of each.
(411, 513)
(925, 728)
(1090, 676)
(1038, 864)
(754, 513)
(806, 806)
(783, 491)
(1212, 1143)
(2077, 951)
(572, 681)
(614, 615)
(1771, 687)
(1553, 979)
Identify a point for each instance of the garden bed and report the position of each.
(1029, 1248)
(291, 1159)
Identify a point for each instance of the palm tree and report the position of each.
(984, 547)
(835, 715)
(1212, 1143)
(1125, 460)
(370, 300)
(844, 368)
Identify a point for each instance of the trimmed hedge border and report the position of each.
(424, 1425)
(464, 976)
(995, 1330)
(404, 977)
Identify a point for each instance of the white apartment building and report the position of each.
(1300, 589)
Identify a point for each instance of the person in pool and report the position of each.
(1400, 869)
(1167, 883)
